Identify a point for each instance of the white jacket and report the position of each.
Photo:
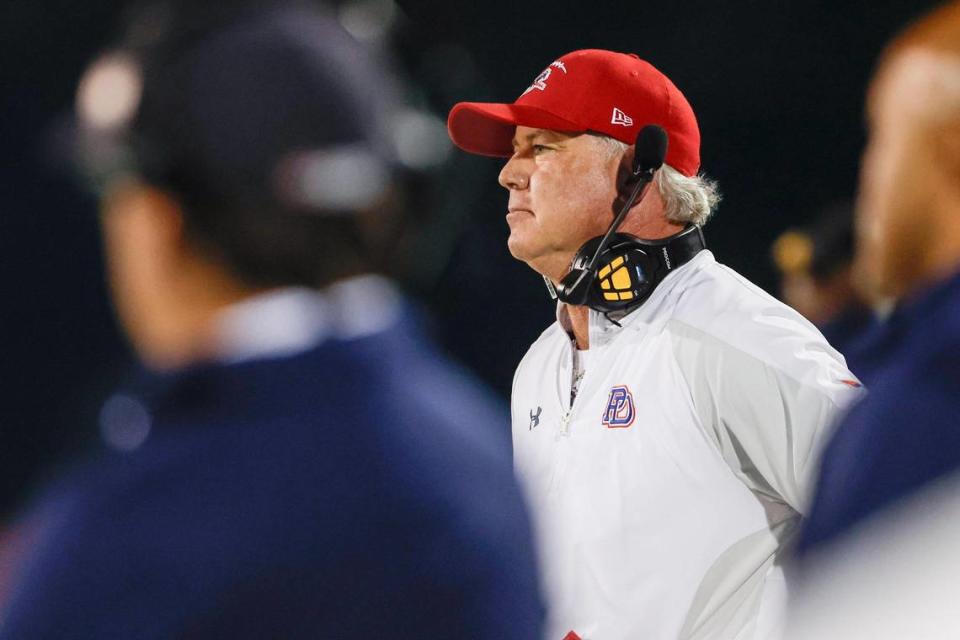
(662, 497)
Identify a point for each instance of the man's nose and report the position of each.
(514, 174)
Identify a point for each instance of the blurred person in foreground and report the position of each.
(906, 433)
(815, 264)
(893, 578)
(297, 461)
(666, 424)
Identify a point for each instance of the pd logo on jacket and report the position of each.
(619, 413)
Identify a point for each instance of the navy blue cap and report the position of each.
(275, 105)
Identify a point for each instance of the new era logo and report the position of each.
(620, 118)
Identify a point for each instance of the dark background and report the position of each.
(777, 86)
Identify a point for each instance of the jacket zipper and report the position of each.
(565, 422)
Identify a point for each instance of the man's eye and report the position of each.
(540, 148)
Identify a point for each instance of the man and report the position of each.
(666, 447)
(905, 436)
(294, 464)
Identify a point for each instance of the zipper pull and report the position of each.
(565, 424)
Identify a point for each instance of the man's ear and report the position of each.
(625, 178)
(626, 181)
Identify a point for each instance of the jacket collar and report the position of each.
(287, 321)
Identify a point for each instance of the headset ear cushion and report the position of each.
(625, 276)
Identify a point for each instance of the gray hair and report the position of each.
(686, 200)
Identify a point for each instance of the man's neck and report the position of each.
(183, 327)
(580, 323)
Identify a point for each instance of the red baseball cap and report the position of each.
(615, 94)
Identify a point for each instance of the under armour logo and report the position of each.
(620, 118)
(534, 418)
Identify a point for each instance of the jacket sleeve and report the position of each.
(770, 411)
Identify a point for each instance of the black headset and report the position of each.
(617, 272)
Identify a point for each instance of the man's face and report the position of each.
(562, 188)
(901, 176)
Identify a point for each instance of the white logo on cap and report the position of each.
(540, 82)
(619, 117)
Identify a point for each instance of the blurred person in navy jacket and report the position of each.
(905, 434)
(295, 460)
(816, 278)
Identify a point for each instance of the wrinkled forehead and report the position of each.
(918, 86)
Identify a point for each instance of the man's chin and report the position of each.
(538, 263)
(522, 252)
(518, 248)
